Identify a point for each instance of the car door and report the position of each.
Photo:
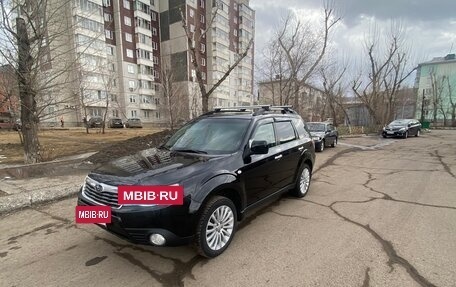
(259, 174)
(289, 154)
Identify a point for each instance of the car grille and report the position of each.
(106, 196)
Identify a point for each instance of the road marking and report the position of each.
(386, 143)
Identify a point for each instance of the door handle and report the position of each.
(278, 156)
(300, 148)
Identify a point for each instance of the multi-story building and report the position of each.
(436, 90)
(120, 49)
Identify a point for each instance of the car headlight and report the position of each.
(316, 138)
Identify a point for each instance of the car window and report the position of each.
(265, 133)
(285, 132)
(299, 125)
(330, 127)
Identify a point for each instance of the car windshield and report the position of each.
(209, 136)
(399, 123)
(316, 127)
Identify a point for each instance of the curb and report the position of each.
(13, 202)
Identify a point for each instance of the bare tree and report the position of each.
(333, 89)
(378, 85)
(304, 48)
(452, 102)
(172, 95)
(194, 38)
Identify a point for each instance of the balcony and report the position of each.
(147, 106)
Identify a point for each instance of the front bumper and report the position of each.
(137, 223)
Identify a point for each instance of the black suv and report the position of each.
(228, 161)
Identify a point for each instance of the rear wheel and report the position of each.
(216, 227)
(303, 181)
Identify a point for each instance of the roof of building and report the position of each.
(450, 58)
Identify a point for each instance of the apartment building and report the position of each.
(120, 49)
(436, 93)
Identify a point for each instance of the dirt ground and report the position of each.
(57, 143)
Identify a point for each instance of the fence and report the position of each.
(357, 130)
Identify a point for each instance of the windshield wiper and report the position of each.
(191, 151)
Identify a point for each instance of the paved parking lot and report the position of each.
(379, 213)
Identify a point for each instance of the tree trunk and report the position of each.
(453, 116)
(27, 96)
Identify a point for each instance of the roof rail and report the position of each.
(257, 109)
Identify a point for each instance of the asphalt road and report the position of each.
(379, 213)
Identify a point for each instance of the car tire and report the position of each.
(334, 144)
(302, 181)
(213, 244)
(405, 135)
(418, 133)
(322, 146)
(384, 136)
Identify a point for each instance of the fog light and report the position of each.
(157, 239)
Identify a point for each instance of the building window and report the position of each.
(110, 50)
(203, 75)
(128, 37)
(133, 114)
(202, 33)
(156, 74)
(203, 62)
(115, 113)
(203, 48)
(146, 114)
(127, 21)
(113, 98)
(202, 19)
(106, 3)
(202, 3)
(154, 31)
(129, 53)
(131, 84)
(235, 20)
(193, 74)
(235, 32)
(131, 69)
(157, 115)
(153, 15)
(107, 17)
(155, 60)
(154, 45)
(112, 67)
(146, 100)
(191, 13)
(132, 99)
(109, 34)
(192, 28)
(157, 101)
(235, 6)
(126, 4)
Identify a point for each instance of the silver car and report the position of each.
(133, 123)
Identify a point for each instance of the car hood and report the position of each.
(317, 134)
(153, 167)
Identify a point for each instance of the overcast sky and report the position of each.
(430, 24)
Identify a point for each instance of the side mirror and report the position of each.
(259, 147)
(409, 125)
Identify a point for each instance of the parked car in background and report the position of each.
(228, 161)
(115, 123)
(95, 122)
(10, 124)
(323, 134)
(133, 123)
(402, 128)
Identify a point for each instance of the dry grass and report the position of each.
(59, 143)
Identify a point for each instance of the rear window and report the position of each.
(285, 132)
(300, 128)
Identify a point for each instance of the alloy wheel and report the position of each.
(219, 228)
(304, 181)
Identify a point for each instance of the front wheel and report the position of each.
(216, 227)
(322, 146)
(303, 181)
